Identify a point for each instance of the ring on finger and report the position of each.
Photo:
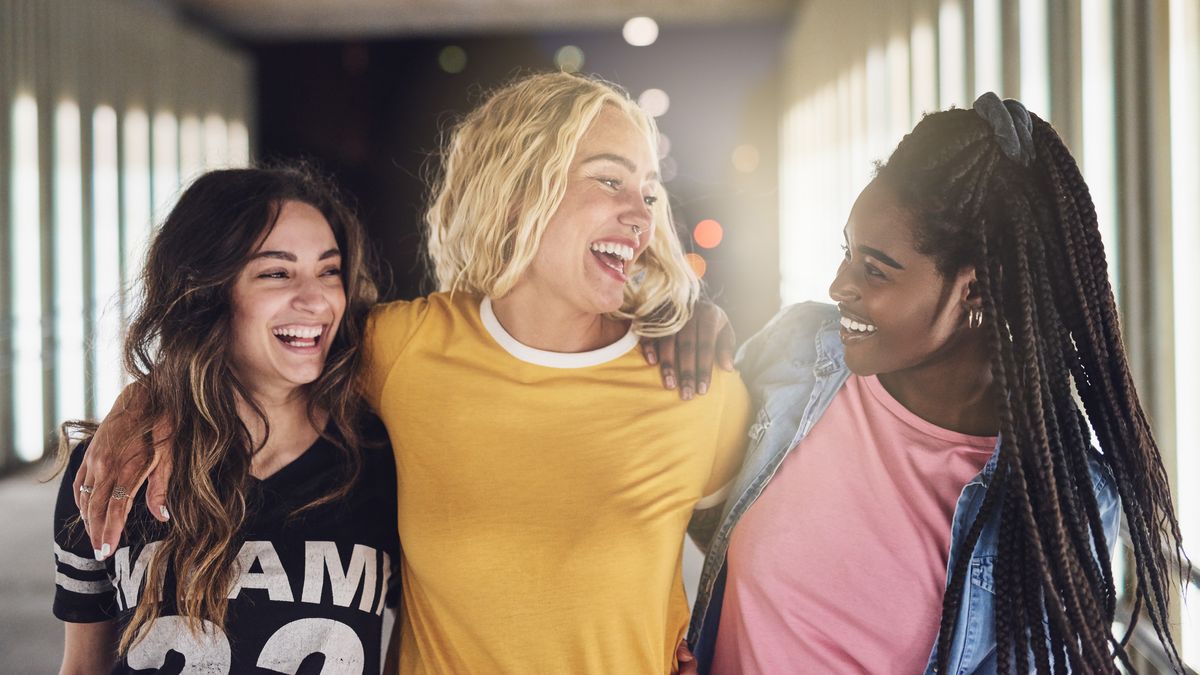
(85, 489)
(119, 492)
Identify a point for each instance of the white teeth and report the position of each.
(852, 325)
(302, 332)
(613, 248)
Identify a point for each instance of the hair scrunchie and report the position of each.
(1011, 125)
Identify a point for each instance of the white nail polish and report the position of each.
(163, 510)
(104, 551)
(97, 552)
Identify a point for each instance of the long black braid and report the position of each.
(1051, 323)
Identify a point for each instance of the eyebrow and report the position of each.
(291, 257)
(880, 255)
(619, 159)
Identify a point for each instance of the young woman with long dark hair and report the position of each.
(281, 536)
(925, 492)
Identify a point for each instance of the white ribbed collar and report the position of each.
(540, 357)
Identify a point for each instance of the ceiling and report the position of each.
(316, 19)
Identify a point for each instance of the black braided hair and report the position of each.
(1030, 232)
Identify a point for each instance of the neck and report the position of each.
(291, 431)
(553, 325)
(955, 391)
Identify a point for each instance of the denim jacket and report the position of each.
(794, 367)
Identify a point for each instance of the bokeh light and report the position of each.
(699, 266)
(668, 169)
(708, 233)
(640, 31)
(745, 158)
(569, 59)
(655, 102)
(664, 146)
(452, 59)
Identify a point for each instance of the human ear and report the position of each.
(971, 297)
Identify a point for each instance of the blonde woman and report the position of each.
(545, 479)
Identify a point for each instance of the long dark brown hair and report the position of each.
(177, 349)
(1031, 234)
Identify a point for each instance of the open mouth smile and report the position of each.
(304, 338)
(613, 256)
(855, 328)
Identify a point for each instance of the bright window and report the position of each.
(924, 68)
(166, 164)
(26, 261)
(952, 55)
(1035, 58)
(106, 260)
(989, 63)
(191, 149)
(136, 214)
(1099, 124)
(1185, 219)
(239, 144)
(69, 317)
(216, 142)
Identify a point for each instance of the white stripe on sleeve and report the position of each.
(87, 587)
(71, 560)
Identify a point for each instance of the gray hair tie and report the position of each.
(1011, 125)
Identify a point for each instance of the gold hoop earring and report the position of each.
(974, 318)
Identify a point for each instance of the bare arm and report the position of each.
(89, 648)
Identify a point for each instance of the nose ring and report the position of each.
(637, 231)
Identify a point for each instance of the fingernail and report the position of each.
(702, 388)
(670, 381)
(652, 358)
(687, 392)
(98, 555)
(105, 549)
(163, 510)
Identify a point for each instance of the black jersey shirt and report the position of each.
(311, 588)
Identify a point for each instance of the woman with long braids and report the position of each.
(923, 493)
(280, 539)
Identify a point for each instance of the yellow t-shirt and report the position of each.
(543, 497)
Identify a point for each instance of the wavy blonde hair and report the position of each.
(503, 175)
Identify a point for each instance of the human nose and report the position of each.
(311, 295)
(843, 289)
(638, 215)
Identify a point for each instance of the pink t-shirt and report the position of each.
(840, 565)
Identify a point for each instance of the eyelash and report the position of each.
(282, 274)
(615, 184)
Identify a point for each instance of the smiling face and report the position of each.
(898, 311)
(287, 304)
(604, 221)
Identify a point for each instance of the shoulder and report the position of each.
(791, 334)
(800, 319)
(407, 316)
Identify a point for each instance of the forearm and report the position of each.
(89, 648)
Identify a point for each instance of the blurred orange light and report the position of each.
(698, 264)
(708, 233)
